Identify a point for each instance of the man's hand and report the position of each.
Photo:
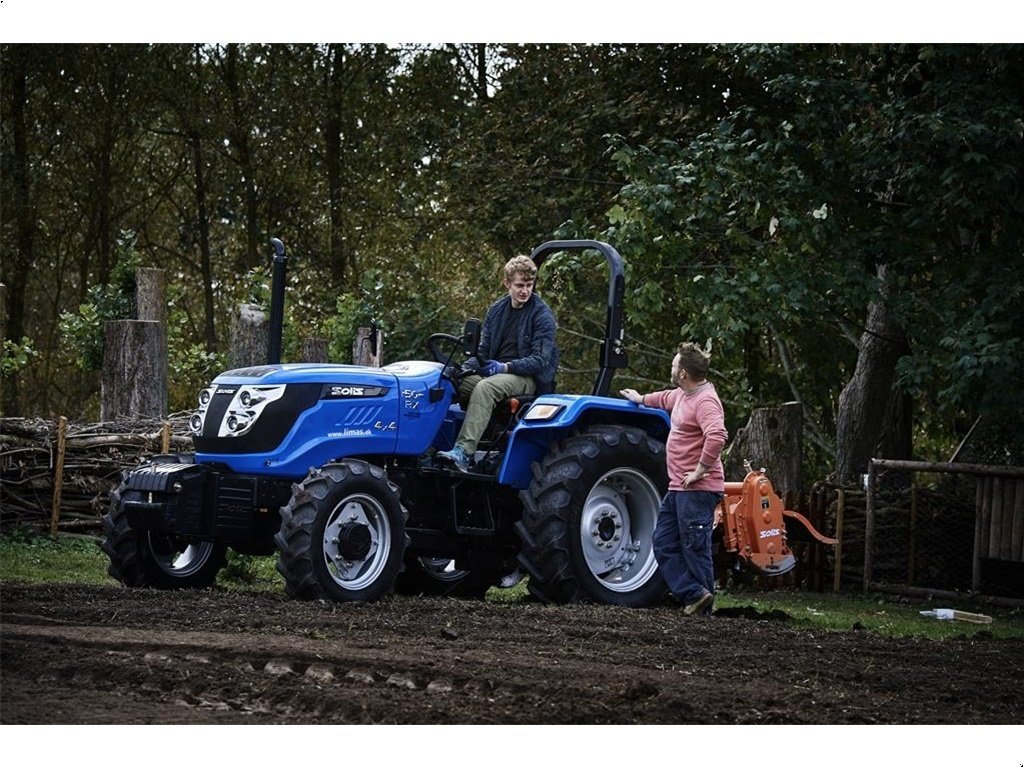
(632, 395)
(697, 474)
(492, 367)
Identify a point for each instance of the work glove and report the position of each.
(492, 367)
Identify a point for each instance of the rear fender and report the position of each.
(553, 417)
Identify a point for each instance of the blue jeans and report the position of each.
(682, 542)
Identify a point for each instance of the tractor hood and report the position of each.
(283, 419)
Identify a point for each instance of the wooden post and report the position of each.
(58, 474)
(869, 527)
(3, 335)
(250, 334)
(165, 438)
(134, 379)
(368, 347)
(3, 314)
(840, 513)
(1017, 529)
(981, 497)
(913, 529)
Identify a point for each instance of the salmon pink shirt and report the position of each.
(698, 434)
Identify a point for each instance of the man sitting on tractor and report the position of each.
(517, 343)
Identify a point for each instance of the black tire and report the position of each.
(158, 560)
(589, 517)
(437, 576)
(323, 556)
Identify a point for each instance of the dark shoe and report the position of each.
(700, 604)
(456, 456)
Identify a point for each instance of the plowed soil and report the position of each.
(106, 655)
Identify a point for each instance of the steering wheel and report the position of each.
(452, 369)
(435, 339)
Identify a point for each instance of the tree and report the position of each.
(846, 182)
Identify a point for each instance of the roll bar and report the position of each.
(612, 355)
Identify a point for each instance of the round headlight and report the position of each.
(232, 423)
(196, 423)
(245, 398)
(204, 397)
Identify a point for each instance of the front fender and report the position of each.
(552, 417)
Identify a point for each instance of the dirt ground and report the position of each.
(106, 655)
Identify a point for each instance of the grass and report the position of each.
(28, 557)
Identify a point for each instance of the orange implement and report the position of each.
(754, 528)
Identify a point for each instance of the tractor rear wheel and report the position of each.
(589, 516)
(155, 559)
(342, 534)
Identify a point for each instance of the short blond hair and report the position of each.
(694, 360)
(520, 265)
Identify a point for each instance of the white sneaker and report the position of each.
(509, 580)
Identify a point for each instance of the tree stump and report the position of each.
(250, 334)
(773, 439)
(134, 377)
(368, 347)
(313, 351)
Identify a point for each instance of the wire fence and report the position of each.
(956, 528)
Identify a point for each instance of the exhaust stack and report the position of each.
(276, 302)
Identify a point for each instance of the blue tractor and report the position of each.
(330, 466)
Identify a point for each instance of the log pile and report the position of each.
(90, 459)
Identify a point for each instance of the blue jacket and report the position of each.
(538, 355)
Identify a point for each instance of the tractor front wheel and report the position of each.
(589, 516)
(342, 534)
(155, 559)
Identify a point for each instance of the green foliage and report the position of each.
(753, 190)
(887, 615)
(16, 355)
(83, 331)
(766, 228)
(191, 369)
(340, 328)
(27, 556)
(250, 572)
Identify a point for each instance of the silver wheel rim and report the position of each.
(355, 574)
(180, 562)
(441, 568)
(617, 529)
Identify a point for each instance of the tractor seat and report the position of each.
(511, 407)
(504, 417)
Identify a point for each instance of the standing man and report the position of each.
(682, 536)
(517, 341)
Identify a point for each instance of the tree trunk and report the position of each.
(481, 71)
(332, 146)
(203, 227)
(773, 439)
(134, 379)
(313, 351)
(23, 216)
(873, 419)
(368, 347)
(250, 334)
(241, 124)
(150, 295)
(202, 219)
